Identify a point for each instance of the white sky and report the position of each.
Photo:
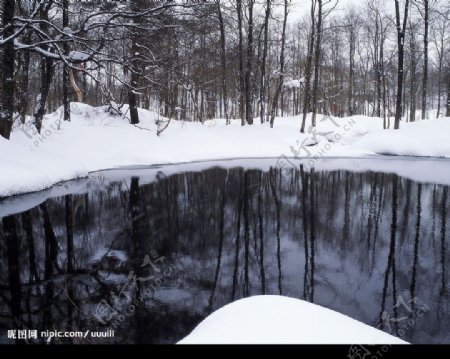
(301, 8)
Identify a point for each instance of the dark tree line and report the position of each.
(242, 60)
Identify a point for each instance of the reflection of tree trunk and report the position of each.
(433, 210)
(136, 230)
(306, 284)
(406, 211)
(69, 231)
(261, 239)
(70, 304)
(86, 207)
(48, 304)
(370, 217)
(51, 244)
(135, 213)
(28, 228)
(416, 242)
(246, 235)
(443, 235)
(273, 184)
(12, 252)
(237, 242)
(391, 257)
(219, 255)
(346, 228)
(312, 230)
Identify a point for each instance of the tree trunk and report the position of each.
(241, 65)
(78, 92)
(46, 79)
(132, 97)
(281, 77)
(317, 63)
(249, 69)
(383, 80)
(439, 84)
(307, 94)
(7, 69)
(23, 95)
(400, 44)
(46, 68)
(66, 48)
(352, 70)
(262, 90)
(425, 61)
(224, 63)
(448, 94)
(378, 39)
(412, 112)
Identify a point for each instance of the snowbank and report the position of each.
(96, 139)
(282, 320)
(422, 138)
(417, 169)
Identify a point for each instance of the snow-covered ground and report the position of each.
(96, 140)
(282, 320)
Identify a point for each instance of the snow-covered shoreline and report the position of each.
(272, 319)
(95, 140)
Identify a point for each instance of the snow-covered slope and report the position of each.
(421, 138)
(96, 140)
(283, 320)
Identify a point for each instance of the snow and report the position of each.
(420, 138)
(96, 139)
(294, 83)
(434, 171)
(283, 320)
(78, 56)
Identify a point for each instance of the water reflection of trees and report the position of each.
(349, 241)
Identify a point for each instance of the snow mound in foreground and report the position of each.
(282, 320)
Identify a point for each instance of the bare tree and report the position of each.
(401, 29)
(308, 68)
(262, 89)
(425, 58)
(249, 69)
(282, 60)
(66, 47)
(242, 82)
(448, 94)
(317, 54)
(413, 68)
(224, 62)
(46, 67)
(440, 39)
(7, 69)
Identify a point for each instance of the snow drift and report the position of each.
(283, 320)
(97, 138)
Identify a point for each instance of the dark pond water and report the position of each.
(149, 253)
